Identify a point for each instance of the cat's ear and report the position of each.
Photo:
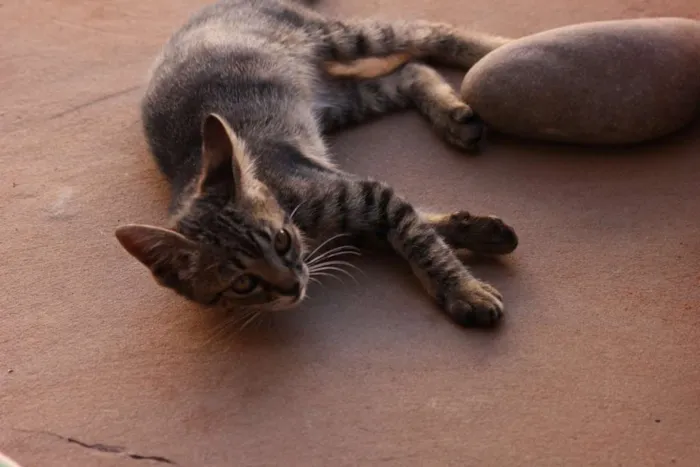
(170, 256)
(222, 159)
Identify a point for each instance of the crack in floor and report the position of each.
(106, 448)
(93, 101)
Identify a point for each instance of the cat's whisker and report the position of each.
(315, 280)
(335, 252)
(327, 274)
(227, 325)
(331, 262)
(219, 330)
(259, 323)
(342, 263)
(294, 211)
(334, 237)
(245, 323)
(332, 268)
(255, 315)
(244, 316)
(341, 270)
(336, 249)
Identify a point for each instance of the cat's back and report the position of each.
(272, 27)
(240, 58)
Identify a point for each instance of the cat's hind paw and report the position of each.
(461, 127)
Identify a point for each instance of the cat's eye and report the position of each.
(244, 284)
(283, 241)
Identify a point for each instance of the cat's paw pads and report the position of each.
(462, 128)
(479, 234)
(477, 305)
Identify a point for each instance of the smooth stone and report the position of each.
(606, 82)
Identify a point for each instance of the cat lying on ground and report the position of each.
(234, 114)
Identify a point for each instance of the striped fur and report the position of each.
(235, 112)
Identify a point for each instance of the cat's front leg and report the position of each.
(465, 299)
(344, 204)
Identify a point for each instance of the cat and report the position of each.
(235, 113)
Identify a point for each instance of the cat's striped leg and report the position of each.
(371, 208)
(344, 102)
(467, 300)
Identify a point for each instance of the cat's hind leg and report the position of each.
(345, 102)
(348, 44)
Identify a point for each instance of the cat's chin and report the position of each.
(295, 302)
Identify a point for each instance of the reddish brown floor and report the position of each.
(598, 362)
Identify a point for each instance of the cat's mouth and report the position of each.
(287, 302)
(295, 295)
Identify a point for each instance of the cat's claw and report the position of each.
(477, 305)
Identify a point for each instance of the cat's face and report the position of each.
(252, 255)
(233, 246)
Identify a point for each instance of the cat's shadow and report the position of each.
(338, 321)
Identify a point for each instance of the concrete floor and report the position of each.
(597, 363)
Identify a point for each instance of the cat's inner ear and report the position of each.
(221, 159)
(170, 256)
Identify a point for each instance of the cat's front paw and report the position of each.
(475, 304)
(486, 235)
(461, 127)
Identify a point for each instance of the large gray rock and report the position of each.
(605, 82)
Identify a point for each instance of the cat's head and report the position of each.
(232, 245)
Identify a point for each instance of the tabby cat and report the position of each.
(235, 112)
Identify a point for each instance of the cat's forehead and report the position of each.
(252, 239)
(247, 217)
(235, 223)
